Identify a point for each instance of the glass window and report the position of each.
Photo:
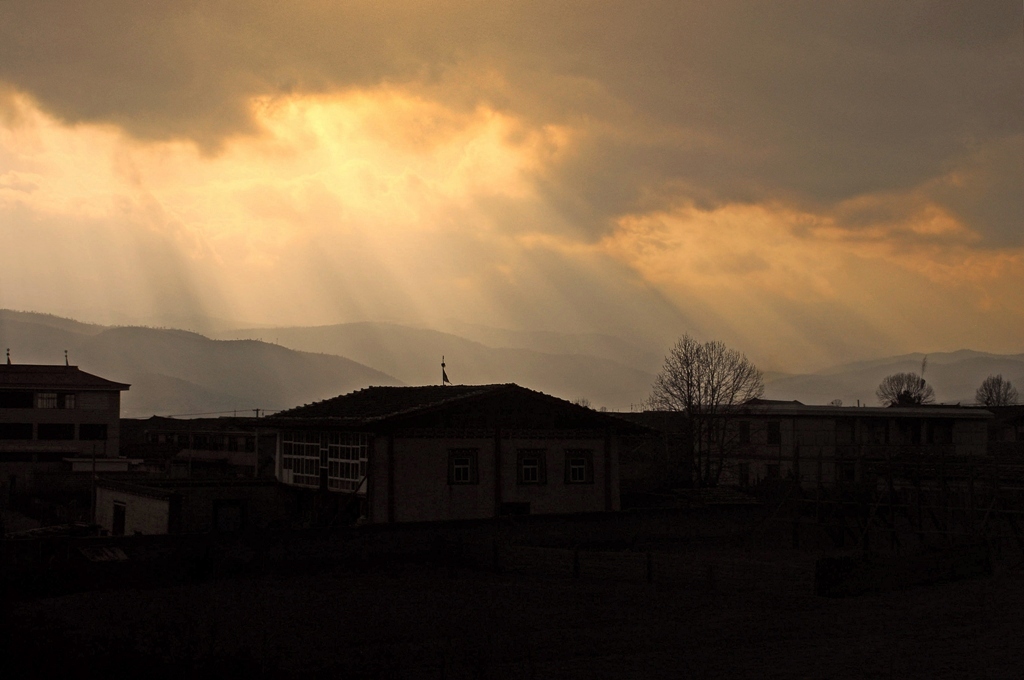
(532, 466)
(92, 431)
(46, 400)
(56, 431)
(462, 466)
(579, 466)
(744, 431)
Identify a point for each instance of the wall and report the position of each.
(811, 449)
(422, 492)
(189, 508)
(143, 514)
(263, 505)
(91, 407)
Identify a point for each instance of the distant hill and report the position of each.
(413, 355)
(954, 376)
(177, 372)
(641, 355)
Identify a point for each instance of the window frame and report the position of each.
(743, 431)
(846, 471)
(472, 467)
(46, 400)
(743, 473)
(56, 432)
(92, 432)
(587, 456)
(540, 469)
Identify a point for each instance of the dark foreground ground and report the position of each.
(432, 621)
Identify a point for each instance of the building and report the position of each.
(1006, 431)
(229, 446)
(402, 454)
(53, 418)
(829, 445)
(163, 506)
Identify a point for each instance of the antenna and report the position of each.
(65, 357)
(444, 375)
(8, 356)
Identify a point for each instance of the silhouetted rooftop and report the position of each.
(44, 376)
(374, 403)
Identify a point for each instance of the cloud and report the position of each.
(735, 102)
(817, 169)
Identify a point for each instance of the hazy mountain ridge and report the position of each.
(643, 355)
(173, 371)
(414, 356)
(955, 376)
(177, 372)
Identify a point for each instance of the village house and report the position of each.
(165, 506)
(403, 454)
(56, 419)
(823, 445)
(201, 447)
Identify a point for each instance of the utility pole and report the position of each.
(92, 509)
(256, 445)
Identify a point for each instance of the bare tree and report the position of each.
(904, 389)
(706, 381)
(995, 391)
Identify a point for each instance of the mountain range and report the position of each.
(177, 372)
(955, 376)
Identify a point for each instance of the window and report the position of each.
(16, 431)
(15, 399)
(92, 431)
(67, 401)
(774, 433)
(462, 466)
(844, 431)
(940, 432)
(532, 466)
(846, 471)
(877, 432)
(46, 400)
(743, 474)
(744, 431)
(117, 523)
(346, 456)
(56, 431)
(579, 466)
(909, 431)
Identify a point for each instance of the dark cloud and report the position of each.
(810, 102)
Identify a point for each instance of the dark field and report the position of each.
(445, 621)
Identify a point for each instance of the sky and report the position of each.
(810, 182)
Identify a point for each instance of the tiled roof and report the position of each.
(39, 376)
(374, 403)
